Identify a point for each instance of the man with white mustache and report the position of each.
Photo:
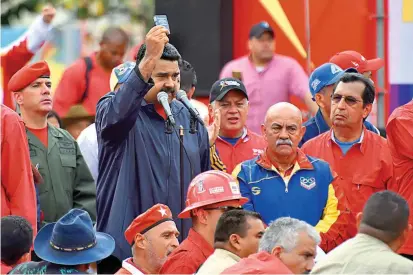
(284, 182)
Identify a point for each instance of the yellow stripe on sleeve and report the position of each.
(331, 212)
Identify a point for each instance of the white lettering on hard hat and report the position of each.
(200, 185)
(216, 190)
(234, 188)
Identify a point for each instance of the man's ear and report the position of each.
(303, 129)
(201, 215)
(249, 45)
(276, 251)
(18, 97)
(263, 130)
(359, 217)
(191, 92)
(234, 240)
(367, 110)
(318, 98)
(140, 241)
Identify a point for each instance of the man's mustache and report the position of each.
(169, 90)
(284, 142)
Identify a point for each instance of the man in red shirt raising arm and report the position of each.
(15, 56)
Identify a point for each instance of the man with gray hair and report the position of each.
(288, 246)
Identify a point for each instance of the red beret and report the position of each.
(27, 75)
(155, 215)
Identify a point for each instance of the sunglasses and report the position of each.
(350, 100)
(224, 208)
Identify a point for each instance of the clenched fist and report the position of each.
(48, 13)
(155, 41)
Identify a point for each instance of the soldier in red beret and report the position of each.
(67, 180)
(153, 236)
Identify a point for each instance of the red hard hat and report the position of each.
(211, 187)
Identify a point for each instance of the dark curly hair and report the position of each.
(170, 53)
(16, 238)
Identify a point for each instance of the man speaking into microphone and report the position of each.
(139, 145)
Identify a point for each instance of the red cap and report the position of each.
(27, 75)
(353, 59)
(155, 215)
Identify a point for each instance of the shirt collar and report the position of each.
(200, 242)
(131, 267)
(269, 64)
(243, 137)
(302, 160)
(362, 140)
(223, 252)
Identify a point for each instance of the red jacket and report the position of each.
(259, 263)
(18, 194)
(247, 147)
(365, 169)
(400, 139)
(189, 256)
(19, 53)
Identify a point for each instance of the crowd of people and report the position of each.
(143, 182)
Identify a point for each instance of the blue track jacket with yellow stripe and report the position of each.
(308, 193)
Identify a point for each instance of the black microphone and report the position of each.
(163, 100)
(181, 96)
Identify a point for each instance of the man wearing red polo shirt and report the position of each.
(235, 142)
(361, 158)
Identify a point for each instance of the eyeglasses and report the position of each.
(224, 208)
(350, 100)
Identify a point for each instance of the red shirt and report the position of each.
(247, 147)
(41, 134)
(365, 169)
(72, 85)
(400, 139)
(18, 194)
(189, 256)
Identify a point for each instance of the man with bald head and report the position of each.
(284, 182)
(87, 80)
